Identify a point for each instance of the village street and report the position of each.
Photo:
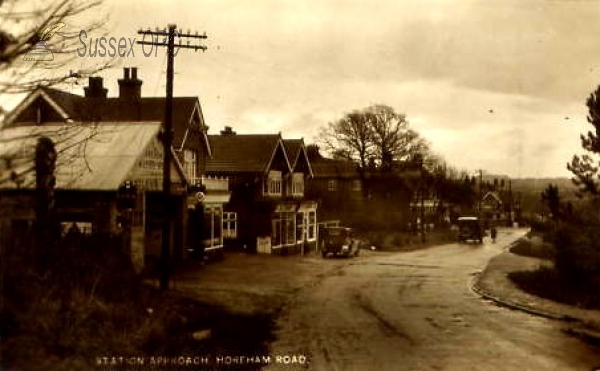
(391, 311)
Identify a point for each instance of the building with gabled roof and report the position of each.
(93, 162)
(198, 200)
(268, 211)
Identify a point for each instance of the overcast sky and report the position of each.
(499, 85)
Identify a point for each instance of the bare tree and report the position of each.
(376, 136)
(23, 24)
(350, 138)
(393, 140)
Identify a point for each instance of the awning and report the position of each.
(219, 198)
(286, 208)
(307, 206)
(205, 199)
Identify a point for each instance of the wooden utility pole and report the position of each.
(167, 135)
(422, 194)
(480, 192)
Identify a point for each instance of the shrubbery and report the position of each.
(571, 240)
(533, 246)
(576, 239)
(577, 251)
(84, 300)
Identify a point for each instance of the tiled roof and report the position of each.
(293, 148)
(67, 101)
(329, 168)
(241, 153)
(114, 109)
(90, 157)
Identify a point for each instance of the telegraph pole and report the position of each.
(167, 135)
(480, 192)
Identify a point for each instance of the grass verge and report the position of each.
(91, 311)
(548, 283)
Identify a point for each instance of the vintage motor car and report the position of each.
(338, 241)
(469, 228)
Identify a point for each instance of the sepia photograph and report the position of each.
(300, 185)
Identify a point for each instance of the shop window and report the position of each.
(284, 229)
(276, 232)
(312, 225)
(213, 223)
(229, 225)
(289, 222)
(299, 227)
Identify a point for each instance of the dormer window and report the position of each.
(273, 184)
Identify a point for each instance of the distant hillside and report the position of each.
(533, 184)
(538, 185)
(527, 191)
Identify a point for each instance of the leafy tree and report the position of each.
(585, 167)
(374, 137)
(551, 198)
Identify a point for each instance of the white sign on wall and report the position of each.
(263, 245)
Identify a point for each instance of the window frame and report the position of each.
(229, 229)
(273, 184)
(332, 185)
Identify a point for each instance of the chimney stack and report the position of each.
(130, 87)
(95, 88)
(228, 130)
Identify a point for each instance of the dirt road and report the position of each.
(389, 311)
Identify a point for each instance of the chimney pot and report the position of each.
(130, 87)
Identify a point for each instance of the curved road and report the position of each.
(416, 311)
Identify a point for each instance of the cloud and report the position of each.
(488, 83)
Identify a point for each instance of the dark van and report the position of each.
(469, 228)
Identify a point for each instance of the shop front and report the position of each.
(205, 223)
(294, 229)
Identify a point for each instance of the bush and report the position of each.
(577, 251)
(84, 299)
(541, 227)
(535, 247)
(550, 284)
